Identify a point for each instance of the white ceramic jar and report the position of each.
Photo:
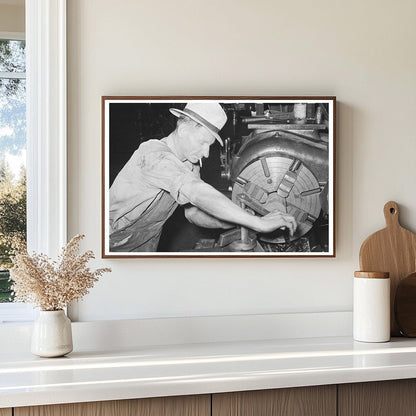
(371, 308)
(52, 334)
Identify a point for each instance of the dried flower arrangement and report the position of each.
(53, 285)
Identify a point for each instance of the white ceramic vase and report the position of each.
(52, 334)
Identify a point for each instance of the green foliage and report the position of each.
(12, 214)
(12, 143)
(6, 294)
(12, 55)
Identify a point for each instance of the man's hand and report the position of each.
(275, 220)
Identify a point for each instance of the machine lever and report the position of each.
(255, 206)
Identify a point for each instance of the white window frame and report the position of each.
(46, 134)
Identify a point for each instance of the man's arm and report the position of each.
(198, 217)
(213, 202)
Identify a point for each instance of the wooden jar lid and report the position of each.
(373, 275)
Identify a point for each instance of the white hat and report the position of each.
(209, 114)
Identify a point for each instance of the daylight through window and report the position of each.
(12, 156)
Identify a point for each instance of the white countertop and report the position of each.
(151, 371)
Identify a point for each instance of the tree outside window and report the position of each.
(12, 156)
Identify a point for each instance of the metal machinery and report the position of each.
(282, 164)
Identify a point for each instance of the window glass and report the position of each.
(12, 56)
(12, 156)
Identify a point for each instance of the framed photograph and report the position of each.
(218, 177)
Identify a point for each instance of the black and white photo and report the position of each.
(219, 177)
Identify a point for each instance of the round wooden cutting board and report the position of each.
(393, 250)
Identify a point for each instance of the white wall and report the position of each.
(363, 52)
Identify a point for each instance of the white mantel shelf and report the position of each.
(166, 370)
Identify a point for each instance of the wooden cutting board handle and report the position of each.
(391, 214)
(393, 250)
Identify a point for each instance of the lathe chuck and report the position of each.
(279, 183)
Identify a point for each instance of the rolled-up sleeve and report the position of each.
(165, 171)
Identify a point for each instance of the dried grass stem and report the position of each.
(53, 285)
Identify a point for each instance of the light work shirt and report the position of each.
(145, 194)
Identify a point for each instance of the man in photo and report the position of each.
(162, 174)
